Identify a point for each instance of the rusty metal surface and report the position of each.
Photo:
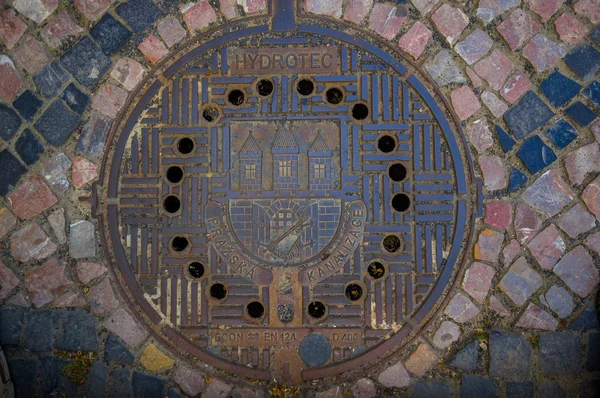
(249, 203)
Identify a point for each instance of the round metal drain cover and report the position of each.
(285, 200)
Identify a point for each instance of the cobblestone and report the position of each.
(547, 247)
(560, 301)
(473, 47)
(61, 28)
(82, 241)
(47, 282)
(364, 388)
(489, 245)
(11, 79)
(444, 70)
(124, 326)
(31, 198)
(8, 281)
(11, 28)
(560, 353)
(102, 298)
(450, 22)
(577, 270)
(29, 243)
(420, 361)
(394, 376)
(478, 280)
(189, 380)
(520, 282)
(536, 318)
(549, 193)
(461, 309)
(510, 356)
(199, 15)
(576, 221)
(466, 358)
(518, 28)
(447, 333)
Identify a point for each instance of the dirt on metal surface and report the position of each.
(286, 200)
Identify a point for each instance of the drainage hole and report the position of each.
(218, 291)
(386, 144)
(235, 98)
(305, 87)
(376, 270)
(265, 87)
(174, 174)
(196, 269)
(397, 172)
(360, 112)
(255, 309)
(354, 292)
(400, 202)
(334, 96)
(316, 309)
(172, 204)
(179, 243)
(210, 114)
(185, 145)
(391, 243)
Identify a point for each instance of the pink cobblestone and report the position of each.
(544, 8)
(387, 20)
(549, 193)
(254, 6)
(109, 99)
(357, 10)
(8, 281)
(536, 318)
(465, 102)
(424, 6)
(520, 282)
(489, 9)
(570, 30)
(515, 87)
(153, 48)
(518, 28)
(474, 46)
(497, 305)
(59, 29)
(478, 280)
(576, 221)
(31, 54)
(421, 360)
(394, 376)
(128, 72)
(450, 22)
(196, 17)
(498, 214)
(190, 380)
(547, 247)
(11, 79)
(543, 53)
(495, 69)
(72, 298)
(475, 80)
(87, 272)
(578, 272)
(31, 243)
(31, 197)
(325, 7)
(494, 104)
(7, 221)
(511, 251)
(447, 333)
(11, 28)
(102, 298)
(461, 308)
(589, 9)
(591, 197)
(123, 325)
(364, 388)
(228, 8)
(527, 222)
(93, 9)
(488, 245)
(492, 168)
(47, 282)
(415, 40)
(593, 242)
(217, 388)
(36, 10)
(479, 135)
(171, 31)
(83, 172)
(583, 161)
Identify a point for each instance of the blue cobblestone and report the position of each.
(519, 389)
(77, 331)
(477, 386)
(110, 34)
(560, 353)
(39, 332)
(97, 381)
(559, 89)
(466, 358)
(75, 98)
(9, 122)
(551, 389)
(120, 385)
(592, 363)
(561, 133)
(432, 389)
(173, 394)
(595, 35)
(147, 386)
(593, 92)
(587, 320)
(506, 141)
(27, 105)
(50, 79)
(11, 171)
(510, 355)
(529, 114)
(22, 372)
(28, 147)
(11, 326)
(536, 155)
(584, 61)
(57, 123)
(581, 114)
(86, 61)
(130, 12)
(53, 382)
(115, 350)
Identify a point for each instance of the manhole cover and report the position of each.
(285, 200)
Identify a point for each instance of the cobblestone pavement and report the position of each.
(521, 319)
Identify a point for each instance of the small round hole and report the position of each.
(218, 291)
(235, 98)
(360, 112)
(255, 309)
(391, 243)
(265, 87)
(196, 270)
(172, 204)
(174, 174)
(305, 87)
(210, 114)
(386, 144)
(179, 243)
(334, 96)
(400, 202)
(316, 309)
(397, 172)
(185, 145)
(354, 292)
(376, 270)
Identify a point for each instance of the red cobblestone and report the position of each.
(93, 9)
(190, 380)
(421, 360)
(515, 87)
(60, 28)
(110, 99)
(478, 280)
(492, 168)
(333, 8)
(31, 54)
(518, 28)
(128, 72)
(102, 298)
(593, 242)
(123, 325)
(495, 69)
(357, 10)
(527, 222)
(465, 102)
(488, 245)
(11, 28)
(31, 197)
(544, 8)
(543, 53)
(450, 22)
(498, 214)
(547, 247)
(578, 272)
(29, 243)
(415, 40)
(83, 172)
(424, 6)
(8, 281)
(196, 17)
(153, 48)
(36, 10)
(475, 80)
(536, 318)
(576, 221)
(511, 251)
(387, 20)
(569, 28)
(7, 221)
(45, 283)
(11, 79)
(228, 8)
(591, 197)
(171, 31)
(87, 272)
(254, 6)
(589, 9)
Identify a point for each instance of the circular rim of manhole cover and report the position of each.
(293, 253)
